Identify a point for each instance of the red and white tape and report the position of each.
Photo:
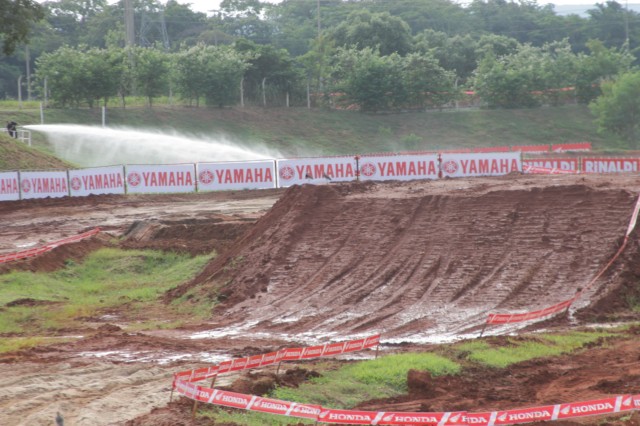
(25, 254)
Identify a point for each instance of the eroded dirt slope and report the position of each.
(419, 260)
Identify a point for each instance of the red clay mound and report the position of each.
(418, 259)
(59, 256)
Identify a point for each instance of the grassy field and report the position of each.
(131, 281)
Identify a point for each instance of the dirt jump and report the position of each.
(421, 262)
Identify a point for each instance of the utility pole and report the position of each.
(27, 59)
(130, 34)
(318, 18)
(626, 25)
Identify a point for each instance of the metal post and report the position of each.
(242, 93)
(483, 328)
(41, 113)
(104, 115)
(27, 58)
(20, 92)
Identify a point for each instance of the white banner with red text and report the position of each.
(398, 167)
(153, 179)
(9, 186)
(316, 170)
(551, 165)
(489, 164)
(96, 181)
(44, 184)
(236, 175)
(610, 165)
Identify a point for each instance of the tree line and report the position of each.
(367, 54)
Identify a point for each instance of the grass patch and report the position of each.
(107, 279)
(247, 418)
(353, 383)
(518, 350)
(19, 343)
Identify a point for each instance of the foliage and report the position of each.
(210, 71)
(601, 64)
(15, 22)
(76, 76)
(372, 81)
(618, 109)
(426, 83)
(268, 65)
(524, 78)
(380, 31)
(457, 54)
(150, 71)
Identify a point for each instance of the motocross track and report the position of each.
(420, 262)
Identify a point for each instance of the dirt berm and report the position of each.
(421, 260)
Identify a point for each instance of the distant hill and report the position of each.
(581, 9)
(319, 132)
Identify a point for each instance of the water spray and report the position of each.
(90, 146)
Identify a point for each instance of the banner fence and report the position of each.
(281, 173)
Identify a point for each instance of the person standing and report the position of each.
(11, 128)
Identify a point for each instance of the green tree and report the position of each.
(457, 53)
(183, 25)
(601, 64)
(370, 80)
(210, 71)
(81, 75)
(63, 71)
(16, 17)
(381, 31)
(426, 82)
(269, 66)
(510, 81)
(609, 22)
(317, 63)
(618, 108)
(523, 20)
(150, 71)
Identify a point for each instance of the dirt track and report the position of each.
(419, 261)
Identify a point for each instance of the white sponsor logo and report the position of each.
(524, 416)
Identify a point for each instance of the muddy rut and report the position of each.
(415, 263)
